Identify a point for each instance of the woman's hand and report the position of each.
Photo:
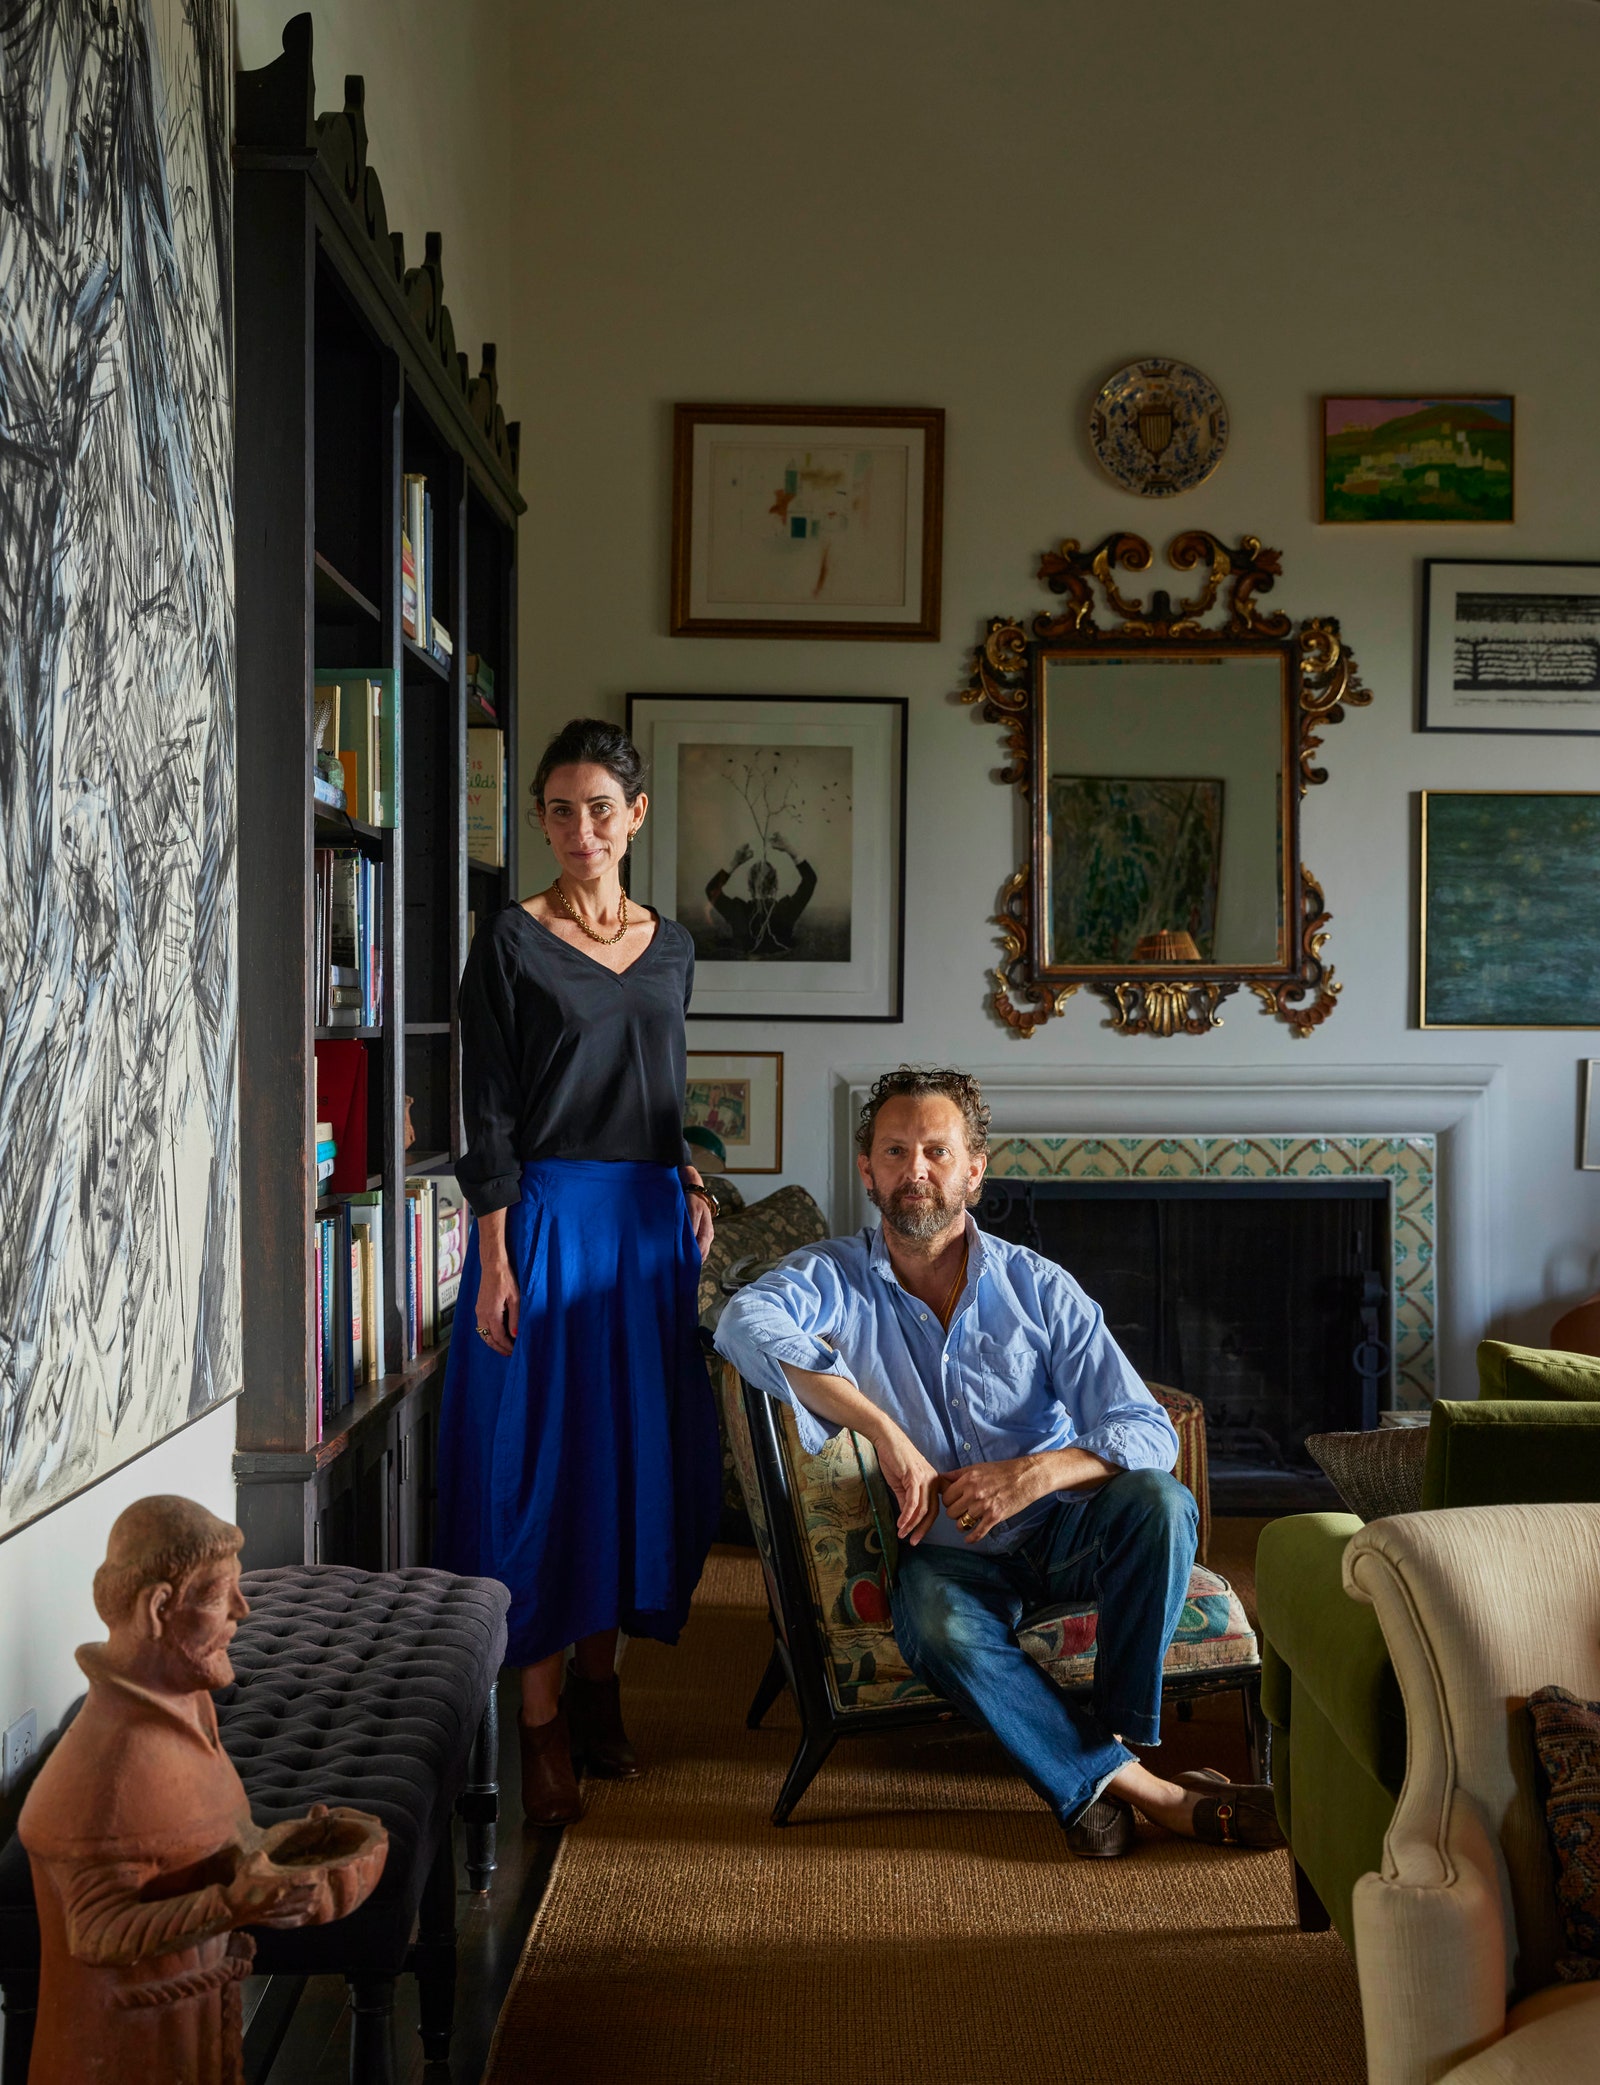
(499, 1298)
(704, 1226)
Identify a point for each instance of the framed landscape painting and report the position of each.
(806, 521)
(1511, 646)
(776, 835)
(1418, 459)
(738, 1097)
(1510, 932)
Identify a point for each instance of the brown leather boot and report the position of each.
(549, 1786)
(594, 1708)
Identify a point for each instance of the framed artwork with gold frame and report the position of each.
(1510, 932)
(738, 1096)
(806, 521)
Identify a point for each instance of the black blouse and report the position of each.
(562, 1058)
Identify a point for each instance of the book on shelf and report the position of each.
(348, 954)
(486, 795)
(408, 587)
(358, 706)
(369, 724)
(329, 793)
(443, 644)
(451, 1230)
(415, 528)
(366, 1221)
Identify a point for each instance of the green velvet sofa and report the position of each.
(1329, 1694)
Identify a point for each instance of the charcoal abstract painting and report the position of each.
(119, 1242)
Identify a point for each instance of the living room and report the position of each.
(1293, 285)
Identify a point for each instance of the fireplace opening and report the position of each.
(1267, 1299)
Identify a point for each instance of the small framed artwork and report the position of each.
(1589, 1117)
(1510, 934)
(1511, 646)
(776, 835)
(738, 1097)
(806, 521)
(1418, 459)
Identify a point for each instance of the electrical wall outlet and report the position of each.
(21, 1742)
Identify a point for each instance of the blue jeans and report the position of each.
(1128, 1547)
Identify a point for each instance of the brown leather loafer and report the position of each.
(594, 1708)
(1103, 1832)
(1233, 1813)
(549, 1786)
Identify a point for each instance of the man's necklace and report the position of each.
(605, 940)
(955, 1286)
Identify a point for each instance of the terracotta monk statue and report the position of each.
(145, 1859)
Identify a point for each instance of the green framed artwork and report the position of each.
(1419, 459)
(1133, 856)
(1510, 909)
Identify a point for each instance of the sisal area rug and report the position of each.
(920, 1919)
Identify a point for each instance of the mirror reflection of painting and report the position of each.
(1132, 859)
(1142, 755)
(764, 852)
(720, 1105)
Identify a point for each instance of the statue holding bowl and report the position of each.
(145, 1859)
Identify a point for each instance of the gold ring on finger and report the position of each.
(965, 1521)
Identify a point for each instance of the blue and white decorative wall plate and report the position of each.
(1159, 427)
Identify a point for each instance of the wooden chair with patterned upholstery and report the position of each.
(824, 1528)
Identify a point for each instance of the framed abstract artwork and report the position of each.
(1510, 932)
(806, 521)
(738, 1098)
(1511, 646)
(776, 835)
(1419, 459)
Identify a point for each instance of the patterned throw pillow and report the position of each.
(1376, 1473)
(756, 1235)
(1566, 1734)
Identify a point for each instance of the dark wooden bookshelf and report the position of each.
(347, 379)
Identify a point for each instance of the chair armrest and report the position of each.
(1432, 1931)
(1332, 1646)
(1505, 1370)
(1512, 1451)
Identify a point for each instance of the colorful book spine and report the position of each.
(408, 587)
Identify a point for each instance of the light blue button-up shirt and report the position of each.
(1027, 1364)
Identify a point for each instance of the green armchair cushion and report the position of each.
(1538, 1372)
(1332, 1646)
(1522, 1449)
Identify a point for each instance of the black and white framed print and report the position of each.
(1511, 646)
(776, 835)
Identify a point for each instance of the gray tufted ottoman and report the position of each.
(374, 1689)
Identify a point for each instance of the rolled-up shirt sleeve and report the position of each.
(490, 1172)
(794, 1313)
(1115, 1417)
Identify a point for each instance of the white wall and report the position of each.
(926, 202)
(47, 1570)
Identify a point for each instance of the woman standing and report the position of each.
(578, 1453)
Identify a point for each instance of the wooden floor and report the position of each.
(491, 1932)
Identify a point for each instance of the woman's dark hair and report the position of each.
(590, 742)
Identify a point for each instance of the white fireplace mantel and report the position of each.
(1459, 1104)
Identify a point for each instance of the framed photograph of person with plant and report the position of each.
(776, 835)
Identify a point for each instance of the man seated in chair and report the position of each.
(1029, 1463)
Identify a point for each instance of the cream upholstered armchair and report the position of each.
(1457, 1935)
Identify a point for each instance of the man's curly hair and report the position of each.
(912, 1082)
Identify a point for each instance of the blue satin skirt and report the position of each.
(584, 1470)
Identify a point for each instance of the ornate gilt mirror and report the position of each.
(1162, 760)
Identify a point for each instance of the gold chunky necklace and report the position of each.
(605, 940)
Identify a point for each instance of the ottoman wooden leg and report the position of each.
(371, 2030)
(433, 1956)
(1310, 1910)
(479, 1801)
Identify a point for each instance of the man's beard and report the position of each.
(917, 1210)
